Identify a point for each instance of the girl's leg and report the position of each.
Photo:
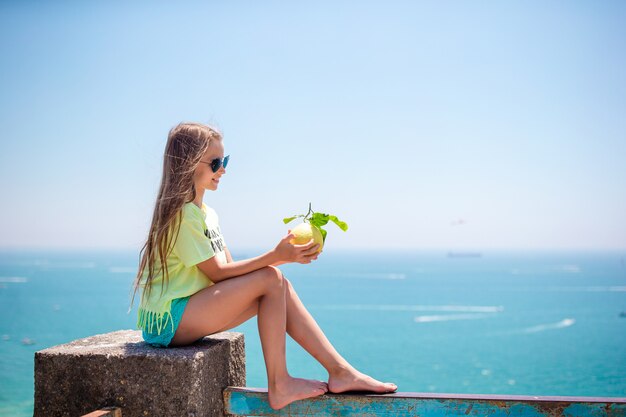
(303, 328)
(212, 308)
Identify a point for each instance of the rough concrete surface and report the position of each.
(120, 369)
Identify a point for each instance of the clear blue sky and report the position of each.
(443, 125)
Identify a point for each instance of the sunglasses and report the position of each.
(217, 163)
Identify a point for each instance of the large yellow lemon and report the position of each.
(304, 233)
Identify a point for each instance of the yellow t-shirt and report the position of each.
(199, 239)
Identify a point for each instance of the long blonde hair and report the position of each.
(186, 144)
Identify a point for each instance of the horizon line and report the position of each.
(453, 251)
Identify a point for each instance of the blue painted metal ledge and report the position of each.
(239, 401)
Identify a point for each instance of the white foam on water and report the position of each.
(15, 280)
(552, 326)
(449, 317)
(400, 307)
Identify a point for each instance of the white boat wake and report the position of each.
(543, 327)
(449, 317)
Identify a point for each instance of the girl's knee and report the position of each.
(273, 277)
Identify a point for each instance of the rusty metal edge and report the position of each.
(445, 396)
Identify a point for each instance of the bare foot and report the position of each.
(349, 379)
(293, 389)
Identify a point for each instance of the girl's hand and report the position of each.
(304, 254)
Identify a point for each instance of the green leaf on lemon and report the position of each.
(324, 232)
(342, 225)
(288, 219)
(319, 219)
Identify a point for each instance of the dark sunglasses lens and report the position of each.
(215, 164)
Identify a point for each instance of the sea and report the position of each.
(547, 323)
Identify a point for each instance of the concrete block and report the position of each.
(119, 369)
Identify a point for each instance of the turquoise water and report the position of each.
(527, 323)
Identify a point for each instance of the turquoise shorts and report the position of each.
(164, 339)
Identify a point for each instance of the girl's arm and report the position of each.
(229, 258)
(284, 252)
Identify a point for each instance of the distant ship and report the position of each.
(464, 254)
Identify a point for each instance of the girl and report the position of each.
(192, 287)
